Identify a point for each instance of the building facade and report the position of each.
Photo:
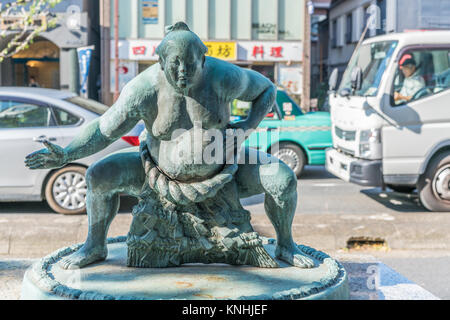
(52, 58)
(348, 19)
(263, 35)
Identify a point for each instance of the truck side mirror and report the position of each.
(332, 81)
(356, 79)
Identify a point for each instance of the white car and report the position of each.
(29, 115)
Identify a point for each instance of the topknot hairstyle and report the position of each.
(180, 32)
(180, 25)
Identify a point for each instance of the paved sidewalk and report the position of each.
(11, 275)
(326, 232)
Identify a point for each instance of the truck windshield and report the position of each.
(373, 59)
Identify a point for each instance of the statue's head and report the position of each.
(181, 56)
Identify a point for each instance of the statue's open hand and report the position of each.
(52, 157)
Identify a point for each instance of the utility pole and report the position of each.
(116, 45)
(74, 85)
(306, 95)
(105, 43)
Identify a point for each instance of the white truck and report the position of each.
(391, 116)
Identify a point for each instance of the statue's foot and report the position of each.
(294, 256)
(83, 257)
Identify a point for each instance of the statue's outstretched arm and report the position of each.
(99, 133)
(112, 125)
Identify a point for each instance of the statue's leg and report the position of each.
(118, 173)
(266, 174)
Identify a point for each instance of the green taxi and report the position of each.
(298, 139)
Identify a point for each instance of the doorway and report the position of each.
(39, 65)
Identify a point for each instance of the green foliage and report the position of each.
(25, 28)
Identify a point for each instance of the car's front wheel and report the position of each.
(65, 190)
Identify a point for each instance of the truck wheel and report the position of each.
(434, 184)
(291, 155)
(401, 189)
(65, 190)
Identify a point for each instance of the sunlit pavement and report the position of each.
(329, 213)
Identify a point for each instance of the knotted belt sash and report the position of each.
(183, 193)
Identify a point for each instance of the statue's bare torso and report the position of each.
(173, 123)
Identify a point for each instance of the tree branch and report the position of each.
(26, 13)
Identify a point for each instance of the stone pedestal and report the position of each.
(214, 230)
(112, 279)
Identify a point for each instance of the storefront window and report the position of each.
(175, 11)
(197, 17)
(290, 27)
(219, 19)
(241, 28)
(264, 19)
(265, 70)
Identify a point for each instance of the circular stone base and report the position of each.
(112, 279)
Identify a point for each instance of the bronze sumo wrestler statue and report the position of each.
(189, 208)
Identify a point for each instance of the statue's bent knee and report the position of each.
(92, 178)
(278, 178)
(98, 176)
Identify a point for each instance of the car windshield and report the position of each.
(89, 104)
(373, 59)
